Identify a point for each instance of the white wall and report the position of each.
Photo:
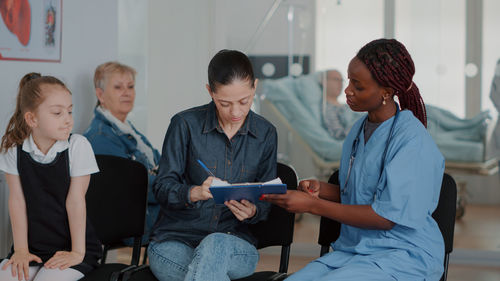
(180, 47)
(133, 51)
(5, 229)
(88, 37)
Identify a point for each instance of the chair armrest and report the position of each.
(116, 275)
(128, 273)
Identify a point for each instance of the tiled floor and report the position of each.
(478, 230)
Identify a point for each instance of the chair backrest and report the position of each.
(277, 230)
(444, 215)
(329, 230)
(116, 201)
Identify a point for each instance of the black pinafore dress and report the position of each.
(45, 188)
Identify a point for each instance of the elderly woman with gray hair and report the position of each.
(111, 133)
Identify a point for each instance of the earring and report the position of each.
(383, 102)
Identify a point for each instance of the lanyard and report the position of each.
(355, 145)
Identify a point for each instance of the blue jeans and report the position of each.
(218, 257)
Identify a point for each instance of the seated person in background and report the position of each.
(495, 98)
(111, 133)
(334, 114)
(195, 239)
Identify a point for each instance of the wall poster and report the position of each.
(31, 30)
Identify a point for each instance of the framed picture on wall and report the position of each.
(30, 30)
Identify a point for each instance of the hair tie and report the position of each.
(33, 76)
(409, 88)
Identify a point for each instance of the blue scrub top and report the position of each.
(406, 192)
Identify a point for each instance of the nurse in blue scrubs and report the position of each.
(390, 178)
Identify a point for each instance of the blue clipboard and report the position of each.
(250, 192)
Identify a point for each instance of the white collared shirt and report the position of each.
(81, 156)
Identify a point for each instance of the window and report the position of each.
(491, 50)
(342, 28)
(434, 33)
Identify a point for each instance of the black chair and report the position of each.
(329, 230)
(277, 230)
(445, 217)
(116, 207)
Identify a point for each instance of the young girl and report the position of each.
(48, 172)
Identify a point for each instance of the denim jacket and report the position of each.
(250, 156)
(106, 138)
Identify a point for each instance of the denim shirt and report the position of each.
(250, 156)
(106, 138)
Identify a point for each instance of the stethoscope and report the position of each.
(355, 145)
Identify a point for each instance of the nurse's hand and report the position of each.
(310, 186)
(201, 192)
(293, 201)
(241, 210)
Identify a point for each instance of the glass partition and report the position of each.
(491, 51)
(434, 33)
(342, 27)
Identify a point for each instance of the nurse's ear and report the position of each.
(387, 93)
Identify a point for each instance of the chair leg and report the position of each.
(446, 262)
(104, 254)
(284, 259)
(136, 251)
(145, 256)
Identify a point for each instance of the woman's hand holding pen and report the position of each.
(310, 186)
(201, 192)
(19, 262)
(64, 259)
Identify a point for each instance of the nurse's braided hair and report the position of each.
(391, 66)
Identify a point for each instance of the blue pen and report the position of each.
(206, 168)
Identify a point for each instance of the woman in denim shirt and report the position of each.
(195, 239)
(111, 133)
